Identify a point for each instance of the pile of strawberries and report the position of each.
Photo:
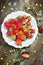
(19, 29)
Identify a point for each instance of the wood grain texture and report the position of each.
(35, 59)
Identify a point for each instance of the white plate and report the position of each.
(4, 30)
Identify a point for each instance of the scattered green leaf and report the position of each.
(16, 63)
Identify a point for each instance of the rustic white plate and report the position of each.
(24, 43)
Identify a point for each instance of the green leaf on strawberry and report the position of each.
(25, 28)
(13, 37)
(10, 29)
(24, 38)
(24, 20)
(20, 16)
(29, 27)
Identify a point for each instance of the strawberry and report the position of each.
(26, 34)
(15, 31)
(12, 21)
(14, 26)
(24, 17)
(25, 55)
(18, 42)
(32, 30)
(25, 31)
(40, 29)
(20, 36)
(20, 20)
(20, 31)
(13, 37)
(19, 25)
(9, 33)
(7, 25)
(30, 36)
(28, 22)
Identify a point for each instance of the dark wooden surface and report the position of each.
(35, 58)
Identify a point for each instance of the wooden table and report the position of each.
(6, 53)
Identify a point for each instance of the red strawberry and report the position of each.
(20, 36)
(32, 30)
(14, 26)
(15, 31)
(9, 33)
(25, 55)
(20, 20)
(18, 42)
(28, 23)
(30, 36)
(20, 25)
(20, 31)
(25, 31)
(12, 21)
(24, 17)
(7, 25)
(40, 29)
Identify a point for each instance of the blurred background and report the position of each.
(2, 2)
